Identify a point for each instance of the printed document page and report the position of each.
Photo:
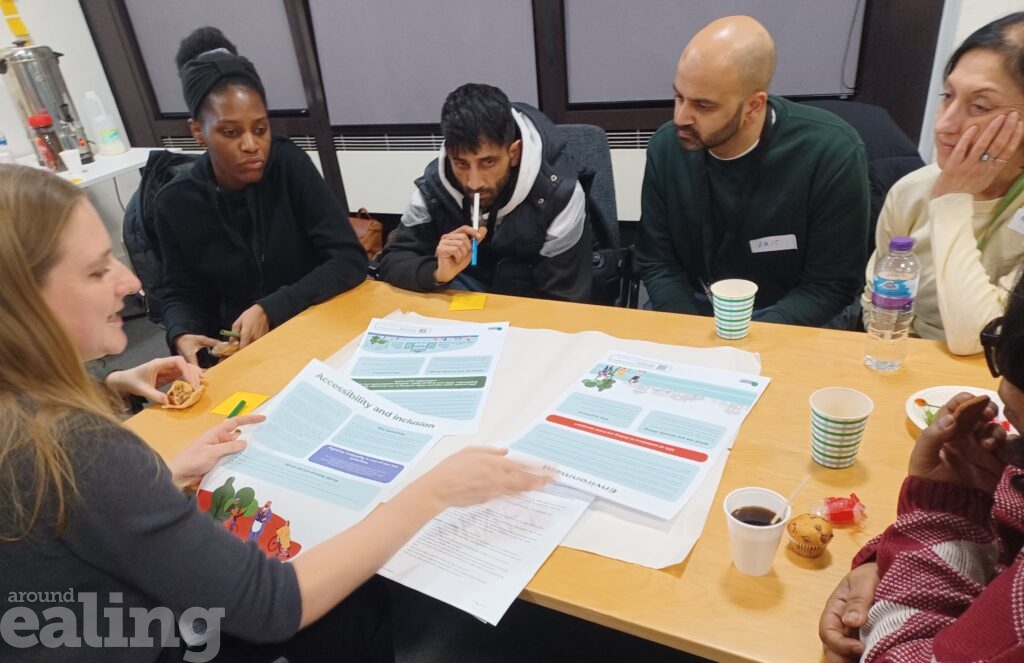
(442, 370)
(328, 452)
(480, 558)
(547, 361)
(641, 432)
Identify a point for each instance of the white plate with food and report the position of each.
(922, 406)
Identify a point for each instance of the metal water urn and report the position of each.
(32, 75)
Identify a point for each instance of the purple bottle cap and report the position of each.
(901, 243)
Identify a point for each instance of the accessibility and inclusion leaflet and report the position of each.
(327, 454)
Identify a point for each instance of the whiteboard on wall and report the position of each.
(395, 61)
(259, 30)
(627, 51)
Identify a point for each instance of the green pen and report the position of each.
(227, 333)
(238, 408)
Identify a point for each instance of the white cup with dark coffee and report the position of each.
(749, 512)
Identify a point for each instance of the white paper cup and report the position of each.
(733, 301)
(72, 160)
(838, 419)
(754, 546)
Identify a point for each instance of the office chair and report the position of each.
(891, 154)
(138, 231)
(588, 146)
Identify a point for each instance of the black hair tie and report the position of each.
(201, 74)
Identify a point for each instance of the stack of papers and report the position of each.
(624, 421)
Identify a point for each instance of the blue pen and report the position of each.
(476, 225)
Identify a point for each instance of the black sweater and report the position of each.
(294, 248)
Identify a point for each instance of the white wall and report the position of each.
(61, 25)
(959, 19)
(380, 181)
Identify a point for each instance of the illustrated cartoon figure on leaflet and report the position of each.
(261, 518)
(236, 510)
(284, 539)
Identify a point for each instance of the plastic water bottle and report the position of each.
(892, 306)
(103, 124)
(5, 150)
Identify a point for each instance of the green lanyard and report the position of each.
(1015, 190)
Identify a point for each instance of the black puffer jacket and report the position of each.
(541, 247)
(139, 228)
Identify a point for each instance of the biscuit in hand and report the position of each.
(182, 395)
(968, 413)
(225, 349)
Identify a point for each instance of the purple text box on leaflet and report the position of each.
(358, 465)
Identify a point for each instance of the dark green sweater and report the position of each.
(812, 185)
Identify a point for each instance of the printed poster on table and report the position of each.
(441, 370)
(641, 432)
(327, 454)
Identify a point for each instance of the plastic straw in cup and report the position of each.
(789, 500)
(476, 225)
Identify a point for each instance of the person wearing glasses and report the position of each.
(943, 583)
(965, 211)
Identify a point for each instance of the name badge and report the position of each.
(773, 243)
(1017, 222)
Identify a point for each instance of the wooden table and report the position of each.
(703, 605)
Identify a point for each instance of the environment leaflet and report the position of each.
(441, 370)
(327, 454)
(641, 432)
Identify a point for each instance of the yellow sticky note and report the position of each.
(468, 301)
(252, 401)
(9, 8)
(17, 26)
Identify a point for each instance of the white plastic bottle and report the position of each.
(5, 150)
(892, 306)
(109, 136)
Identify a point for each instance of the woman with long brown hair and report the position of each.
(93, 520)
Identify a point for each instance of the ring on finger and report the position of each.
(985, 157)
(999, 160)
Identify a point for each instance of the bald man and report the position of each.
(743, 184)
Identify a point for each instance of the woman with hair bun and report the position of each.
(251, 235)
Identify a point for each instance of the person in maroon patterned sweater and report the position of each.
(945, 582)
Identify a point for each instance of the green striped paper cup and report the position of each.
(838, 419)
(733, 300)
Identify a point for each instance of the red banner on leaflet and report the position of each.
(619, 436)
